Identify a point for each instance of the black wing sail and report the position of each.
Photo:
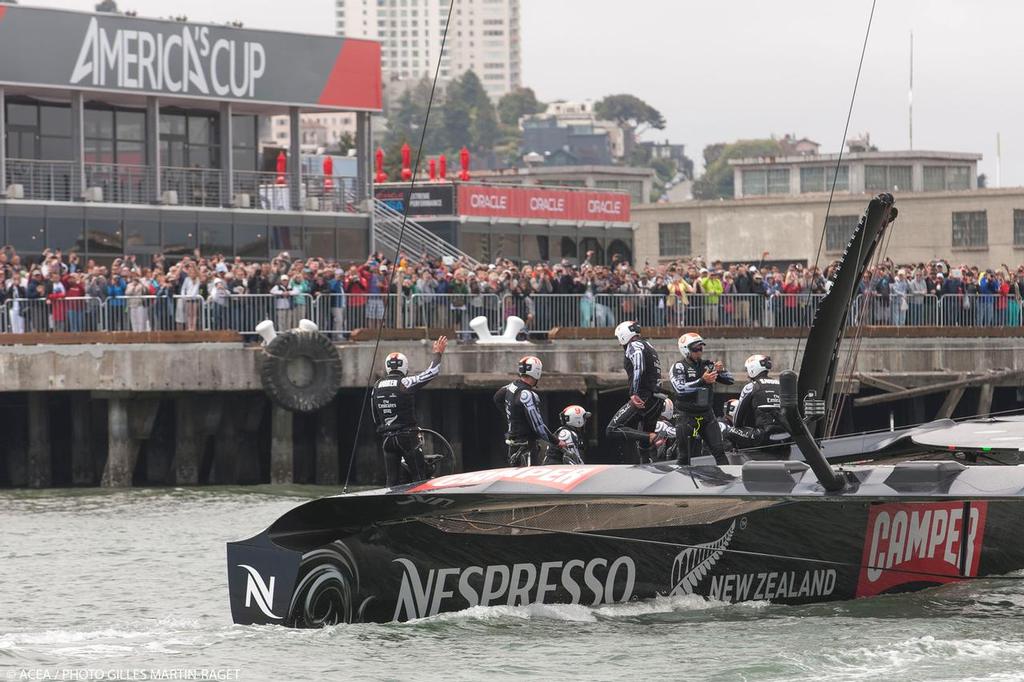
(821, 353)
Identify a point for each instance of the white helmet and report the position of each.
(668, 410)
(687, 342)
(757, 365)
(626, 331)
(531, 366)
(396, 362)
(729, 412)
(574, 416)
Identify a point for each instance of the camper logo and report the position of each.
(693, 563)
(931, 542)
(259, 591)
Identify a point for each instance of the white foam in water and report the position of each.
(917, 651)
(580, 613)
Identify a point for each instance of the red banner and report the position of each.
(542, 204)
(920, 542)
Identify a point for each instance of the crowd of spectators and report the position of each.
(60, 292)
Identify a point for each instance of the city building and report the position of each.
(861, 171)
(568, 132)
(637, 182)
(322, 130)
(483, 37)
(129, 135)
(979, 226)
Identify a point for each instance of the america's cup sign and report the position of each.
(187, 61)
(59, 50)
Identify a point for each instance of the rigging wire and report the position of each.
(842, 146)
(398, 250)
(727, 550)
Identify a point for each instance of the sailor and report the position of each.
(666, 431)
(569, 443)
(521, 405)
(693, 379)
(394, 413)
(635, 420)
(758, 422)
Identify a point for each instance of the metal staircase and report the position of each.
(387, 226)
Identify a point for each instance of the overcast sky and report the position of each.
(732, 69)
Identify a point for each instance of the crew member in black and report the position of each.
(693, 379)
(636, 420)
(394, 413)
(521, 406)
(757, 422)
(570, 444)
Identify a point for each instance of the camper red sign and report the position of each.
(920, 542)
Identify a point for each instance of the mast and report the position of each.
(821, 355)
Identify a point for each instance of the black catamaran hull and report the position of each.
(433, 552)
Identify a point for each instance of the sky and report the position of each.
(731, 69)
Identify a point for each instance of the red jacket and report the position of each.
(357, 286)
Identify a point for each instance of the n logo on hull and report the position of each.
(259, 591)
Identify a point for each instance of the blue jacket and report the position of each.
(116, 292)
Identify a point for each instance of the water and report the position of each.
(135, 580)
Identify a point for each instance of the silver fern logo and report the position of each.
(693, 563)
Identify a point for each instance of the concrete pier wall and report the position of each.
(188, 414)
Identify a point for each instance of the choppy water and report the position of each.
(135, 581)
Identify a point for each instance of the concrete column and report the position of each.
(453, 426)
(295, 158)
(282, 449)
(250, 416)
(122, 449)
(153, 145)
(364, 170)
(227, 163)
(985, 399)
(3, 142)
(187, 442)
(227, 453)
(83, 471)
(77, 144)
(327, 445)
(39, 463)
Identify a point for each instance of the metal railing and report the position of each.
(340, 314)
(44, 180)
(61, 181)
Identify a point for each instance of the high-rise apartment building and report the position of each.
(483, 37)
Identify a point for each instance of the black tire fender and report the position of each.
(301, 371)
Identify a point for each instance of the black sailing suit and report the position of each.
(643, 368)
(756, 426)
(526, 427)
(695, 420)
(394, 413)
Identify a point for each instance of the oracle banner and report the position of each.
(537, 203)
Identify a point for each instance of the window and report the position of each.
(114, 136)
(674, 239)
(838, 230)
(887, 178)
(64, 233)
(568, 247)
(38, 131)
(819, 179)
(103, 235)
(755, 183)
(970, 229)
(215, 238)
(189, 140)
(1018, 227)
(952, 178)
(320, 241)
(141, 236)
(179, 238)
(778, 181)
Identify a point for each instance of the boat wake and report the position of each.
(579, 613)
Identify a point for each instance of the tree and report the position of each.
(342, 145)
(629, 111)
(518, 103)
(717, 181)
(107, 6)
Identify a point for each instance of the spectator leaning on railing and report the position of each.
(60, 292)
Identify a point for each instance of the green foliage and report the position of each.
(629, 111)
(518, 103)
(717, 181)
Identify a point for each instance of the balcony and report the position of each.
(58, 181)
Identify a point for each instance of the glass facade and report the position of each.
(970, 229)
(838, 230)
(819, 179)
